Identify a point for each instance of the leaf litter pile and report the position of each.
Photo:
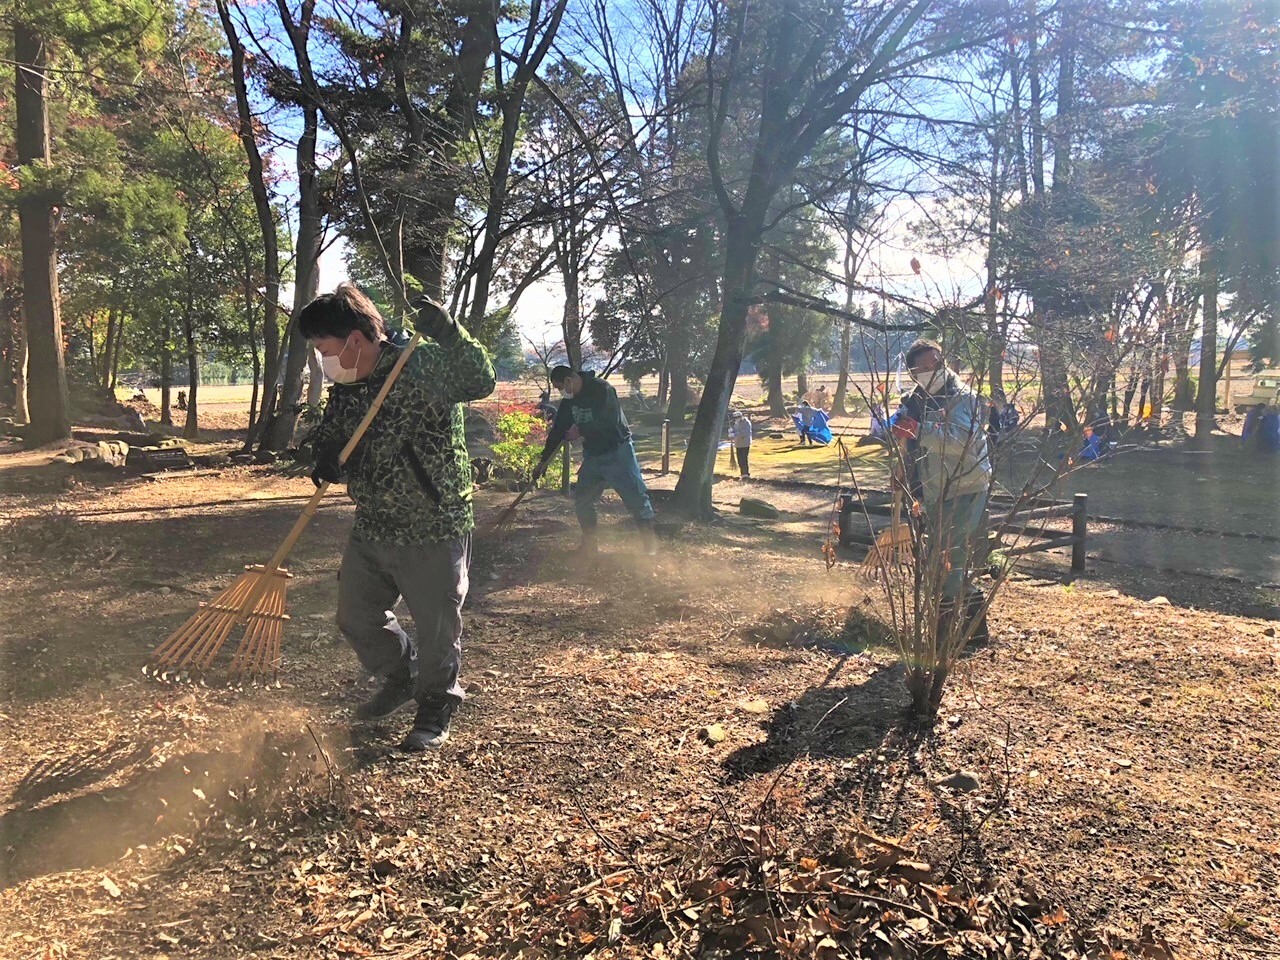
(698, 756)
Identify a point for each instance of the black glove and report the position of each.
(432, 320)
(327, 469)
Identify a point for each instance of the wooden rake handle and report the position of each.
(357, 435)
(510, 511)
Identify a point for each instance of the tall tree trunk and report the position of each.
(116, 351)
(315, 380)
(678, 379)
(995, 331)
(664, 384)
(166, 372)
(773, 394)
(571, 318)
(276, 425)
(108, 345)
(693, 489)
(1207, 397)
(8, 340)
(838, 403)
(191, 429)
(46, 373)
(261, 201)
(802, 383)
(1159, 363)
(92, 340)
(426, 260)
(21, 363)
(246, 281)
(1035, 118)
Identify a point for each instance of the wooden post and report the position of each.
(666, 447)
(564, 469)
(1079, 531)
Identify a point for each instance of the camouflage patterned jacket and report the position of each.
(410, 475)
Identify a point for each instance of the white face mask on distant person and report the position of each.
(931, 381)
(336, 370)
(565, 393)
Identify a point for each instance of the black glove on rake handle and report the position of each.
(257, 598)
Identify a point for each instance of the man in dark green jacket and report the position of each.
(410, 478)
(608, 455)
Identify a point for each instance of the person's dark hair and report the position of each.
(923, 345)
(560, 374)
(340, 313)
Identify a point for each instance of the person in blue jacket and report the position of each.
(1091, 449)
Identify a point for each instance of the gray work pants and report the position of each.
(432, 579)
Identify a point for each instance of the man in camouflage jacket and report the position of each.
(410, 478)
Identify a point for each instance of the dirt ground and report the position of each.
(1122, 747)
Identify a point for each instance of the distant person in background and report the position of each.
(1250, 437)
(821, 399)
(812, 424)
(1092, 448)
(1003, 420)
(546, 407)
(182, 400)
(1269, 431)
(740, 434)
(879, 420)
(637, 398)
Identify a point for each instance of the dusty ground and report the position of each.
(1125, 752)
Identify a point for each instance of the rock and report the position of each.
(752, 507)
(1122, 763)
(1269, 632)
(265, 456)
(715, 733)
(757, 705)
(1159, 601)
(1146, 701)
(1110, 593)
(776, 435)
(163, 591)
(962, 781)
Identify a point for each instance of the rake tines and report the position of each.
(256, 599)
(891, 549)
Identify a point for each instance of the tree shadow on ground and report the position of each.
(828, 721)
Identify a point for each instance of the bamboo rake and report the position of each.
(892, 547)
(257, 598)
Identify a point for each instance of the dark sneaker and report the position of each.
(395, 695)
(431, 726)
(976, 619)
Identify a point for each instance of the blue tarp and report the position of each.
(818, 429)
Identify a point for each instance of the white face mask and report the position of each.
(336, 370)
(931, 382)
(565, 394)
